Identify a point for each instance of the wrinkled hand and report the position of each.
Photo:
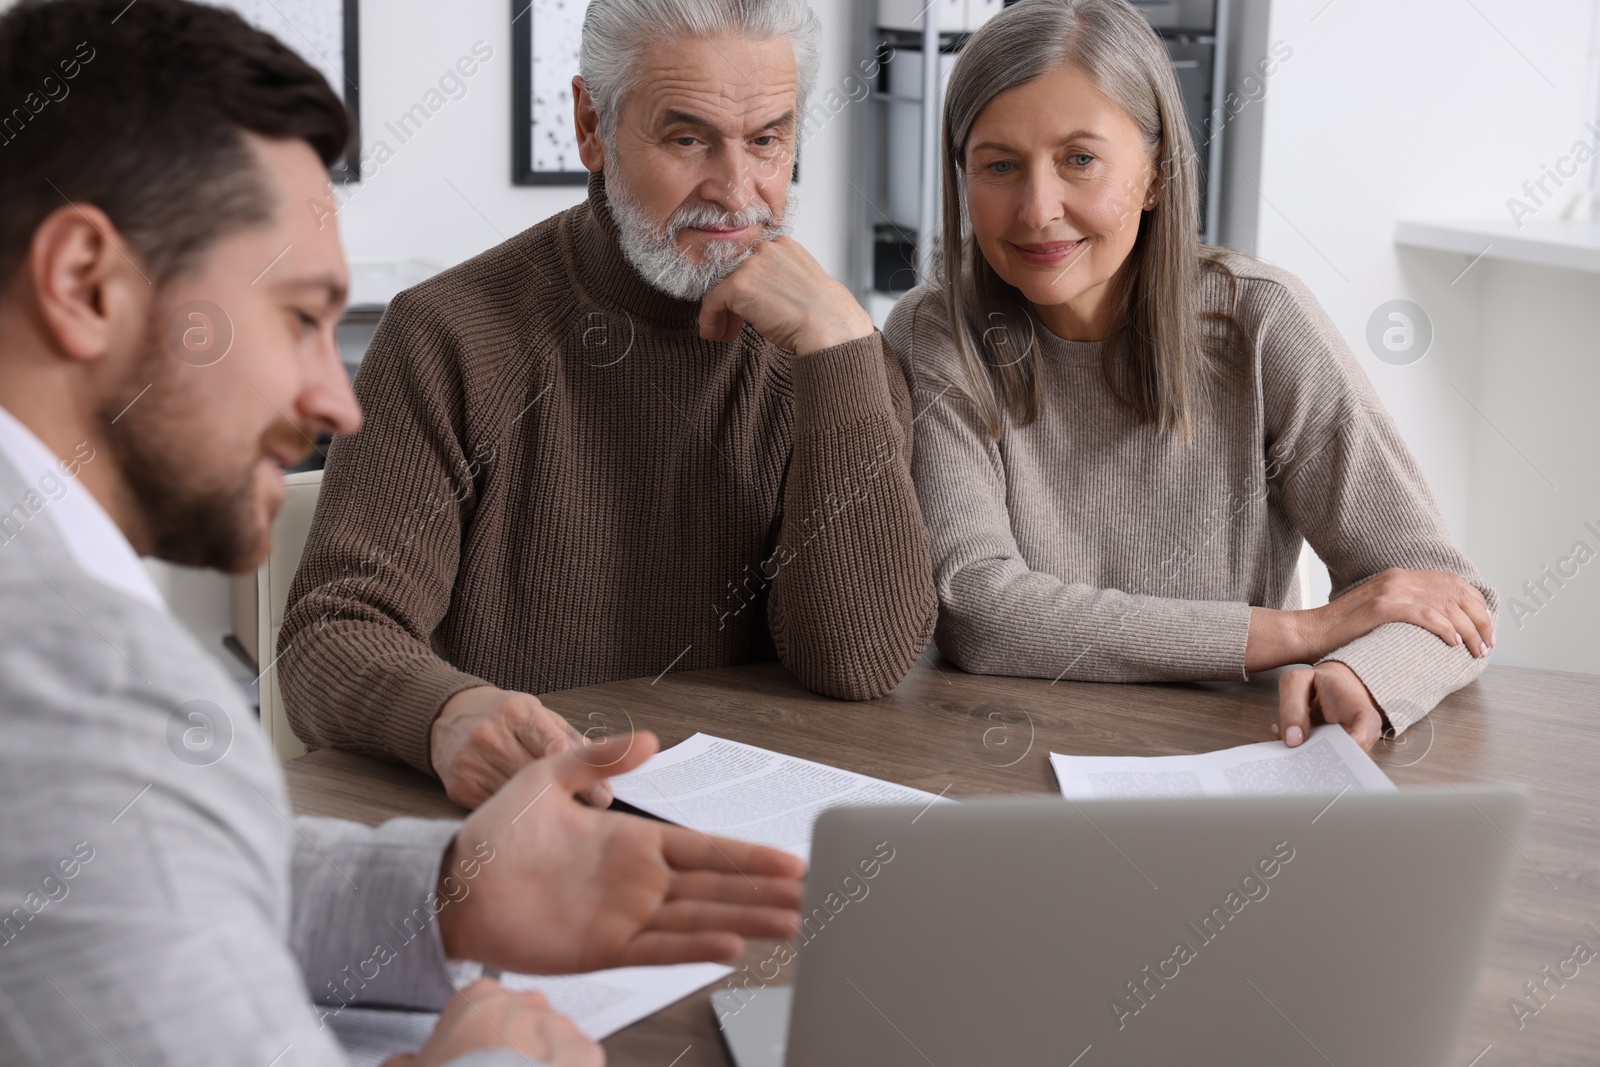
(485, 735)
(1329, 692)
(1441, 602)
(564, 887)
(486, 1015)
(786, 295)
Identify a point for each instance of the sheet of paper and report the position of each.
(604, 1002)
(1328, 762)
(748, 793)
(600, 1003)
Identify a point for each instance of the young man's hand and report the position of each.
(548, 885)
(486, 1015)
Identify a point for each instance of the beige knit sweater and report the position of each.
(1089, 546)
(559, 484)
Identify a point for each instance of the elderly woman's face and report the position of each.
(1057, 177)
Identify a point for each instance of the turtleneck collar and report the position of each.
(605, 274)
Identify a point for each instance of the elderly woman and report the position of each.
(1123, 435)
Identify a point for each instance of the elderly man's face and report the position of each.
(708, 136)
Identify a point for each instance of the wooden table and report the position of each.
(945, 731)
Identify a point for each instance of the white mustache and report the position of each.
(703, 215)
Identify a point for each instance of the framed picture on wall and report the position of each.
(545, 35)
(326, 34)
(544, 56)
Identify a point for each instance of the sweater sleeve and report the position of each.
(851, 607)
(998, 615)
(1352, 488)
(355, 661)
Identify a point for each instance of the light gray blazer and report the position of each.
(158, 903)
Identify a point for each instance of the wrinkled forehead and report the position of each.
(734, 85)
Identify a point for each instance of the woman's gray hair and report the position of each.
(616, 31)
(1156, 359)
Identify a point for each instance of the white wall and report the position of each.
(1435, 108)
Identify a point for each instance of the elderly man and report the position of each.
(167, 309)
(648, 434)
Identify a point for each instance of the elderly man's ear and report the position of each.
(590, 148)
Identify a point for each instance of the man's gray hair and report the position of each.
(616, 31)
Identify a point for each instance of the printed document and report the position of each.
(750, 794)
(1327, 762)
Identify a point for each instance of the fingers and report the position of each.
(1477, 609)
(1445, 604)
(1366, 728)
(569, 1046)
(543, 732)
(1436, 622)
(585, 767)
(1343, 698)
(1469, 631)
(487, 1015)
(479, 990)
(718, 320)
(737, 889)
(690, 850)
(702, 916)
(658, 948)
(1295, 692)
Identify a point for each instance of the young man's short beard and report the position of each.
(653, 250)
(190, 514)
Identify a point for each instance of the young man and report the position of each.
(647, 434)
(167, 307)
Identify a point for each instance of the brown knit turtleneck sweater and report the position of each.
(559, 483)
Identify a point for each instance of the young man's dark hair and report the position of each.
(84, 118)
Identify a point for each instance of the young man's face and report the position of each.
(243, 374)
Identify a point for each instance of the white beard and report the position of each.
(653, 250)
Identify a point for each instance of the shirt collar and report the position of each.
(97, 545)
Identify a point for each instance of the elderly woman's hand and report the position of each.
(1440, 602)
(1333, 693)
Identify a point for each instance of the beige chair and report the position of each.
(289, 532)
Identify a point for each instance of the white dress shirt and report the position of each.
(95, 541)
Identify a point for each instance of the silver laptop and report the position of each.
(1282, 930)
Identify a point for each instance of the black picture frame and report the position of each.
(522, 171)
(348, 168)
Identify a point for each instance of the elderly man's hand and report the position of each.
(541, 884)
(787, 296)
(484, 735)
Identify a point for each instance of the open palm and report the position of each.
(570, 888)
